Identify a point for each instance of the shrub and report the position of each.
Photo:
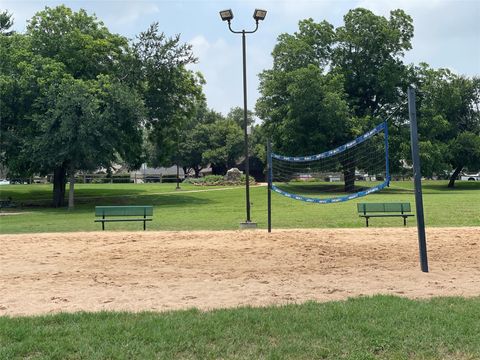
(216, 180)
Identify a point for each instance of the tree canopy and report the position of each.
(449, 108)
(329, 84)
(74, 96)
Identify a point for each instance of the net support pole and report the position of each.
(269, 181)
(417, 175)
(387, 163)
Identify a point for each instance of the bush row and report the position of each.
(216, 180)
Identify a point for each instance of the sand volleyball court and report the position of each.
(136, 271)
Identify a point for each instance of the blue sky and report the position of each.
(447, 32)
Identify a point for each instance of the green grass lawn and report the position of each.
(379, 327)
(218, 209)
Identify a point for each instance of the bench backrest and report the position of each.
(140, 210)
(383, 207)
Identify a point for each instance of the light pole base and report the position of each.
(248, 225)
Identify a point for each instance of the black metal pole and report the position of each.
(178, 169)
(417, 175)
(248, 223)
(269, 180)
(247, 165)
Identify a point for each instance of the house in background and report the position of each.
(162, 174)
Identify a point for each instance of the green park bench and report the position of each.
(145, 211)
(7, 203)
(368, 210)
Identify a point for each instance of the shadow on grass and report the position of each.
(43, 198)
(459, 186)
(155, 200)
(88, 204)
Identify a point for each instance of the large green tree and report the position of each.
(328, 85)
(74, 96)
(449, 121)
(171, 91)
(84, 125)
(63, 106)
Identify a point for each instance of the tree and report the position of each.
(64, 107)
(312, 115)
(449, 126)
(236, 114)
(6, 22)
(225, 145)
(368, 52)
(464, 152)
(195, 139)
(79, 41)
(328, 85)
(170, 91)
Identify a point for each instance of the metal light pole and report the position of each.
(227, 15)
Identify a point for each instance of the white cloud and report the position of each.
(220, 63)
(128, 13)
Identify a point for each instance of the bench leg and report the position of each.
(144, 225)
(366, 220)
(404, 221)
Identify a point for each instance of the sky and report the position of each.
(447, 32)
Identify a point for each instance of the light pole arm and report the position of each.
(243, 31)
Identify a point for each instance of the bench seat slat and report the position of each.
(119, 220)
(134, 210)
(385, 215)
(383, 207)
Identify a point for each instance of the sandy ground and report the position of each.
(134, 271)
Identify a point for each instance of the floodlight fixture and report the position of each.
(259, 14)
(226, 15)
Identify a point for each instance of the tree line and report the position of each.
(328, 85)
(76, 97)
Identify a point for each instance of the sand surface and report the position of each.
(135, 271)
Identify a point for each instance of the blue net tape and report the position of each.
(333, 199)
(335, 151)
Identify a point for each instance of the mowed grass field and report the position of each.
(223, 208)
(379, 327)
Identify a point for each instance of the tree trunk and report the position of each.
(197, 170)
(454, 176)
(349, 176)
(59, 177)
(71, 190)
